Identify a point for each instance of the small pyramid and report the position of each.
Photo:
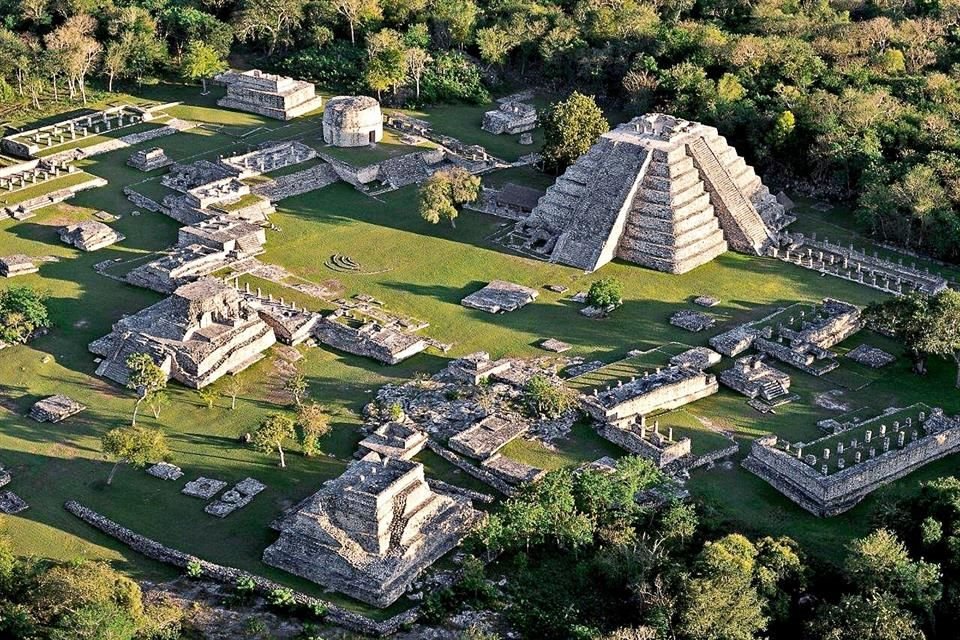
(658, 191)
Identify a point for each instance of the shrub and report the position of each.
(281, 598)
(194, 570)
(451, 78)
(317, 610)
(605, 292)
(546, 398)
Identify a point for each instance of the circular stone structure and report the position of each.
(352, 121)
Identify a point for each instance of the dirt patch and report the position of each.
(831, 400)
(82, 323)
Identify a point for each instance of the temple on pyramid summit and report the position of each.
(658, 191)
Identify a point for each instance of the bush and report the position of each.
(453, 77)
(339, 64)
(194, 570)
(317, 610)
(605, 292)
(281, 598)
(545, 398)
(243, 590)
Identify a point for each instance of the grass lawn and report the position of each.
(62, 181)
(417, 269)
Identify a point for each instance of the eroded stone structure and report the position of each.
(356, 332)
(372, 531)
(17, 265)
(267, 94)
(488, 436)
(658, 191)
(500, 296)
(26, 144)
(511, 117)
(395, 440)
(830, 475)
(197, 335)
(149, 159)
(89, 235)
(270, 156)
(667, 388)
(55, 409)
(752, 377)
(352, 121)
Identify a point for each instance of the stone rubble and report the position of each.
(871, 356)
(11, 503)
(500, 296)
(55, 408)
(235, 498)
(692, 320)
(203, 488)
(165, 471)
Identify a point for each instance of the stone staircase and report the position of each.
(771, 390)
(742, 225)
(398, 523)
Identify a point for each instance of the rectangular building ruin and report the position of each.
(89, 235)
(17, 265)
(510, 117)
(488, 436)
(372, 531)
(648, 442)
(395, 440)
(752, 377)
(832, 474)
(667, 388)
(268, 94)
(149, 159)
(197, 335)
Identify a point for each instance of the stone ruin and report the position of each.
(26, 144)
(706, 301)
(17, 265)
(478, 367)
(89, 235)
(554, 345)
(832, 474)
(209, 189)
(55, 409)
(270, 156)
(666, 388)
(165, 471)
(202, 332)
(512, 472)
(694, 321)
(657, 191)
(202, 248)
(203, 488)
(352, 121)
(696, 358)
(798, 335)
(26, 209)
(635, 436)
(291, 324)
(488, 436)
(511, 201)
(857, 266)
(267, 94)
(752, 377)
(32, 172)
(11, 503)
(372, 531)
(871, 356)
(149, 159)
(500, 296)
(237, 497)
(395, 440)
(511, 117)
(365, 329)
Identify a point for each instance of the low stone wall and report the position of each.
(710, 458)
(632, 440)
(229, 575)
(471, 470)
(836, 492)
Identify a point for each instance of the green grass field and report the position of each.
(419, 270)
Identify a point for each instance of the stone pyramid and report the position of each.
(658, 191)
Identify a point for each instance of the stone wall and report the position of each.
(470, 469)
(836, 492)
(631, 440)
(229, 575)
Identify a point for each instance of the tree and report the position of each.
(146, 378)
(270, 20)
(386, 65)
(200, 61)
(605, 292)
(135, 446)
(208, 396)
(444, 190)
(495, 44)
(235, 386)
(272, 433)
(720, 600)
(548, 398)
(880, 563)
(907, 318)
(314, 423)
(157, 401)
(570, 128)
(943, 332)
(297, 386)
(416, 60)
(115, 60)
(23, 312)
(356, 12)
(877, 616)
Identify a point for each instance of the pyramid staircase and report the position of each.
(743, 227)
